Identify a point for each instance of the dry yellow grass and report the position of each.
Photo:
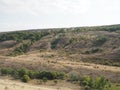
(7, 84)
(54, 61)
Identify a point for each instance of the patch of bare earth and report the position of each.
(8, 84)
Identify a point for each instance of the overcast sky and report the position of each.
(28, 14)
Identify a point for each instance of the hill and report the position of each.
(99, 44)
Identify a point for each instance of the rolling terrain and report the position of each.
(93, 51)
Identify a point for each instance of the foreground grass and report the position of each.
(114, 87)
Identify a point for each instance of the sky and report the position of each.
(38, 14)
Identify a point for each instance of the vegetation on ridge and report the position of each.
(100, 44)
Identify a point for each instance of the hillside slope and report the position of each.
(99, 44)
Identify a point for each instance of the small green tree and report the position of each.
(25, 78)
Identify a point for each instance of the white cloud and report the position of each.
(45, 6)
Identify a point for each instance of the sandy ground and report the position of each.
(6, 84)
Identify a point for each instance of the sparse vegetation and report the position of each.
(93, 50)
(21, 49)
(23, 35)
(54, 43)
(99, 83)
(100, 40)
(64, 50)
(25, 74)
(89, 83)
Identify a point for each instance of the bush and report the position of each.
(74, 77)
(102, 83)
(98, 84)
(100, 40)
(50, 75)
(23, 72)
(32, 74)
(5, 71)
(25, 78)
(15, 74)
(54, 43)
(61, 75)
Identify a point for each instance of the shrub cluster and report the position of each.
(21, 49)
(99, 83)
(23, 35)
(25, 75)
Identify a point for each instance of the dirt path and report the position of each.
(91, 66)
(6, 84)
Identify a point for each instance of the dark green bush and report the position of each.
(23, 35)
(5, 71)
(54, 43)
(48, 75)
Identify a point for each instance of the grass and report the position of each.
(114, 87)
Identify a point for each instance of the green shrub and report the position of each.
(74, 77)
(25, 78)
(23, 72)
(95, 84)
(50, 75)
(32, 74)
(61, 75)
(5, 71)
(15, 73)
(54, 43)
(102, 83)
(100, 40)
